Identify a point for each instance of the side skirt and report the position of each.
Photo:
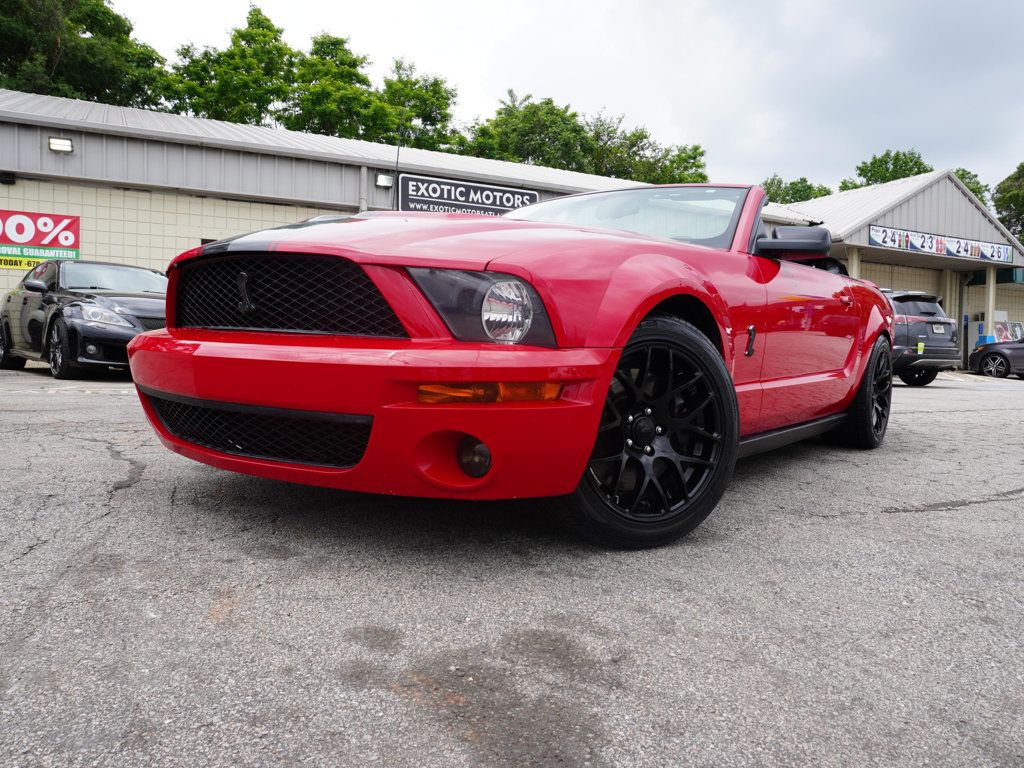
(768, 441)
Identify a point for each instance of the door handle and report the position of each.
(25, 300)
(847, 300)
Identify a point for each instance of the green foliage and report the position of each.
(888, 166)
(525, 130)
(973, 183)
(332, 94)
(83, 49)
(422, 107)
(795, 191)
(79, 49)
(634, 154)
(243, 83)
(1008, 199)
(534, 132)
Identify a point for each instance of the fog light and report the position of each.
(474, 457)
(91, 349)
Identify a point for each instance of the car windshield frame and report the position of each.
(647, 211)
(101, 275)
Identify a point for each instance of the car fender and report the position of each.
(603, 307)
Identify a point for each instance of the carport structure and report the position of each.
(906, 235)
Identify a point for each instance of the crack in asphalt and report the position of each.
(942, 506)
(32, 547)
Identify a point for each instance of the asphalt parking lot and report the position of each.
(839, 608)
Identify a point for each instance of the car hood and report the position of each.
(136, 304)
(457, 241)
(997, 345)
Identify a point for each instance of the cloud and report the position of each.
(799, 87)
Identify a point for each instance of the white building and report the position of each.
(127, 185)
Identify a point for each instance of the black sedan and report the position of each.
(998, 359)
(79, 314)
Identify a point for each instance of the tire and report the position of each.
(8, 361)
(918, 377)
(867, 418)
(58, 352)
(995, 366)
(666, 445)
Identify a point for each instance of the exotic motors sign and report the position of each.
(28, 238)
(425, 193)
(908, 240)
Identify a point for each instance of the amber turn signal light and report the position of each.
(501, 392)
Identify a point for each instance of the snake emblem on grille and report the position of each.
(245, 306)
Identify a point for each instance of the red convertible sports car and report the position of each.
(617, 350)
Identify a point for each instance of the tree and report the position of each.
(1008, 199)
(80, 49)
(422, 105)
(795, 191)
(973, 183)
(535, 132)
(332, 94)
(635, 155)
(888, 166)
(247, 82)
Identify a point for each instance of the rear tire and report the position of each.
(995, 366)
(918, 377)
(59, 352)
(8, 361)
(666, 445)
(867, 418)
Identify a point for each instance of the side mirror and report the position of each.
(36, 286)
(816, 241)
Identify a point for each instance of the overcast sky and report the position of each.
(800, 87)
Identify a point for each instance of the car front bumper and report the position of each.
(904, 358)
(108, 342)
(537, 448)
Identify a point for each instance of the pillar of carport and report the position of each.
(951, 294)
(853, 262)
(990, 300)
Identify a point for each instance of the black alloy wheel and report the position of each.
(995, 366)
(881, 394)
(918, 377)
(8, 362)
(59, 351)
(666, 443)
(867, 418)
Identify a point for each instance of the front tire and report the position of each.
(667, 441)
(918, 377)
(995, 366)
(59, 352)
(8, 361)
(867, 418)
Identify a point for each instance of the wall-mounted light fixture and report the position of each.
(59, 144)
(385, 180)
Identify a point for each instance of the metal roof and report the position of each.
(844, 213)
(72, 114)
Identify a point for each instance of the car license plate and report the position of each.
(938, 328)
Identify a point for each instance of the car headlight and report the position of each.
(101, 315)
(486, 306)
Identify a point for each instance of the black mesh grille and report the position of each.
(298, 437)
(151, 323)
(307, 294)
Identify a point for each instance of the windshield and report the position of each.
(110, 277)
(702, 215)
(920, 307)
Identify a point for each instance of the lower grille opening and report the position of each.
(297, 437)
